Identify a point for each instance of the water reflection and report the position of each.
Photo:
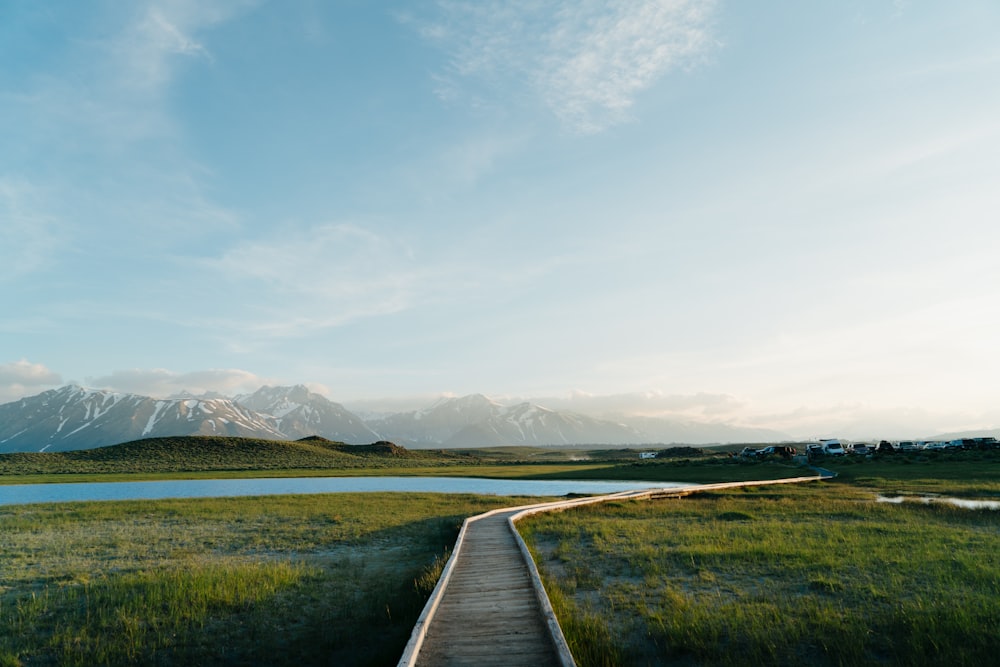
(964, 503)
(16, 494)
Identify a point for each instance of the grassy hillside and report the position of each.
(220, 456)
(217, 453)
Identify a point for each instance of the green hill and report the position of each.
(218, 453)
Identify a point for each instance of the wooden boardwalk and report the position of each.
(489, 607)
(489, 613)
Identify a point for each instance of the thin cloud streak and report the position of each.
(162, 383)
(336, 260)
(585, 61)
(104, 117)
(145, 54)
(322, 277)
(306, 279)
(28, 234)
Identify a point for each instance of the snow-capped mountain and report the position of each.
(477, 421)
(298, 413)
(72, 417)
(529, 424)
(437, 424)
(76, 418)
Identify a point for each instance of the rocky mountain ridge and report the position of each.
(73, 417)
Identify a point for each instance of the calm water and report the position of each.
(964, 503)
(17, 494)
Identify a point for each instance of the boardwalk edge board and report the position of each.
(563, 653)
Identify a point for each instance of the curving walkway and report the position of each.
(489, 606)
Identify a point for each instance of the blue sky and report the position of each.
(776, 214)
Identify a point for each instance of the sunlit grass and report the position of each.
(814, 575)
(820, 574)
(282, 580)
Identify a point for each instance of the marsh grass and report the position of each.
(281, 580)
(198, 457)
(820, 574)
(719, 468)
(959, 473)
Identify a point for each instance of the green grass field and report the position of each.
(817, 574)
(953, 473)
(281, 580)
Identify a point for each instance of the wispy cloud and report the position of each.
(585, 60)
(160, 34)
(160, 382)
(322, 277)
(113, 84)
(299, 280)
(26, 373)
(28, 234)
(99, 110)
(21, 378)
(331, 261)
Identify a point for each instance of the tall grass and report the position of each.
(815, 575)
(283, 580)
(140, 614)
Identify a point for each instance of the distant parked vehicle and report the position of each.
(784, 451)
(861, 449)
(908, 446)
(980, 443)
(748, 453)
(885, 447)
(833, 447)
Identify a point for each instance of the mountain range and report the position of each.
(73, 417)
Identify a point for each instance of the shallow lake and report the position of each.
(17, 494)
(964, 503)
